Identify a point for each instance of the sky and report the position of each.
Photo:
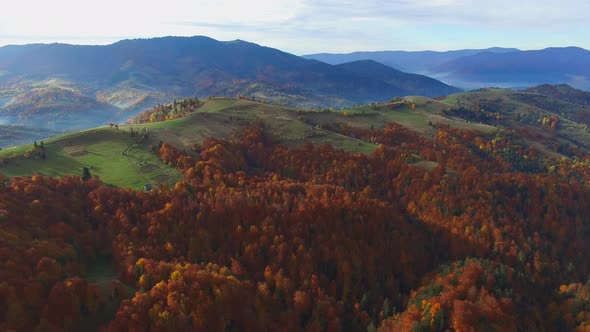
(306, 26)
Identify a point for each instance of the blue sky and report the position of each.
(306, 26)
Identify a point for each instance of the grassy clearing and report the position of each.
(343, 142)
(457, 98)
(217, 104)
(453, 100)
(426, 164)
(100, 150)
(416, 120)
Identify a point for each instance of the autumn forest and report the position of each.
(259, 236)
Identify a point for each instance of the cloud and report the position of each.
(515, 13)
(300, 26)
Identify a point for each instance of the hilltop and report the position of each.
(563, 92)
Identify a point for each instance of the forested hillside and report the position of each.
(484, 234)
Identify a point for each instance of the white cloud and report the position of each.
(298, 26)
(132, 17)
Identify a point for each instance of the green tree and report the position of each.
(86, 174)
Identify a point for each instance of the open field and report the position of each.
(99, 150)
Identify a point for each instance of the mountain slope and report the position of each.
(17, 135)
(57, 108)
(472, 69)
(189, 66)
(413, 84)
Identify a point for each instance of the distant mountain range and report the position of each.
(470, 69)
(412, 62)
(72, 87)
(67, 87)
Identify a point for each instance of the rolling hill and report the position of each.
(413, 84)
(563, 92)
(133, 75)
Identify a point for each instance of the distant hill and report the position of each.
(56, 108)
(17, 135)
(563, 92)
(412, 62)
(472, 69)
(552, 121)
(91, 85)
(184, 66)
(411, 84)
(570, 65)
